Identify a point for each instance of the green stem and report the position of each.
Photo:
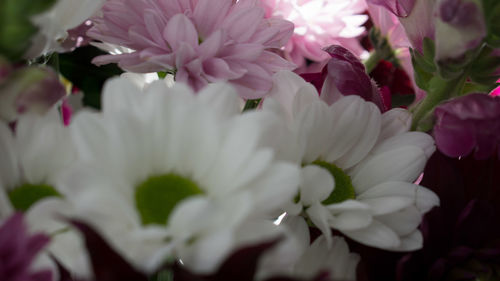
(251, 104)
(439, 91)
(372, 61)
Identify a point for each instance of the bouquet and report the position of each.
(267, 140)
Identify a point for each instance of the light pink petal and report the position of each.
(180, 30)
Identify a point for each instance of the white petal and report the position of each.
(306, 95)
(120, 94)
(320, 216)
(411, 242)
(376, 235)
(45, 147)
(317, 184)
(277, 186)
(366, 141)
(400, 164)
(222, 97)
(388, 204)
(418, 139)
(423, 198)
(9, 171)
(394, 122)
(403, 222)
(208, 252)
(349, 115)
(351, 220)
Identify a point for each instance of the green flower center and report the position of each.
(343, 190)
(24, 196)
(156, 197)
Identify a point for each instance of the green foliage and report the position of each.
(77, 68)
(483, 67)
(16, 28)
(491, 10)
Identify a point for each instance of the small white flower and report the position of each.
(358, 166)
(35, 158)
(167, 172)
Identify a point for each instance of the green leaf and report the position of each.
(77, 68)
(16, 28)
(421, 72)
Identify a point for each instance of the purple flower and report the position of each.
(469, 124)
(401, 8)
(459, 27)
(201, 41)
(18, 249)
(345, 75)
(462, 236)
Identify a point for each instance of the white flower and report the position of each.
(54, 23)
(358, 166)
(34, 159)
(165, 172)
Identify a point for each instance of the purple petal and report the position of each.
(401, 8)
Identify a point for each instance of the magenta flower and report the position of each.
(345, 75)
(318, 24)
(468, 124)
(18, 250)
(201, 41)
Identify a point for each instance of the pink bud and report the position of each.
(29, 89)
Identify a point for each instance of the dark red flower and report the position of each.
(18, 249)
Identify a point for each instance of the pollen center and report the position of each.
(156, 197)
(343, 190)
(24, 196)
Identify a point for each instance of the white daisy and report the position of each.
(167, 172)
(358, 166)
(35, 157)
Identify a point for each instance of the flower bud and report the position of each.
(468, 124)
(460, 27)
(29, 89)
(347, 76)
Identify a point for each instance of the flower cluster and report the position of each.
(154, 140)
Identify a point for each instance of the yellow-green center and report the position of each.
(343, 190)
(156, 197)
(24, 196)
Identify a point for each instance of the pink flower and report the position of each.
(318, 24)
(201, 41)
(469, 124)
(18, 249)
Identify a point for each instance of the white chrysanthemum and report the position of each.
(54, 24)
(34, 159)
(165, 172)
(358, 166)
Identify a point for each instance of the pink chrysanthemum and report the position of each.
(201, 41)
(319, 24)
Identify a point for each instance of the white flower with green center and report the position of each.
(167, 173)
(358, 166)
(33, 160)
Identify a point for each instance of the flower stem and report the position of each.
(440, 90)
